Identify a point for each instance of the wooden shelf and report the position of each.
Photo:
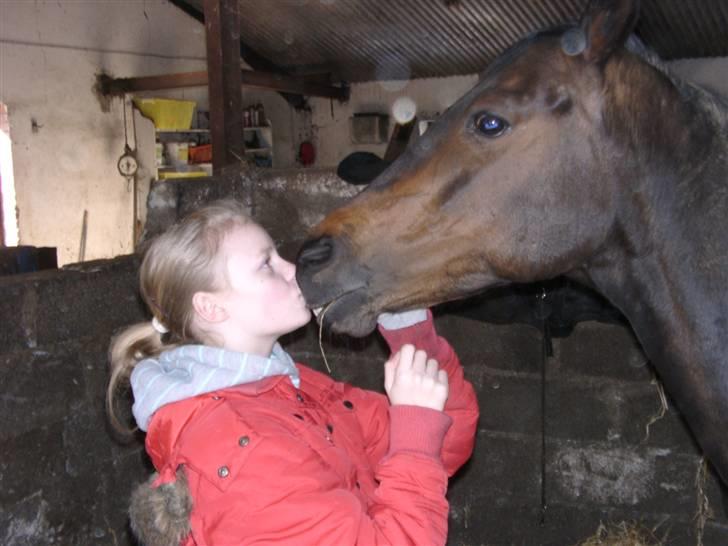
(263, 134)
(182, 131)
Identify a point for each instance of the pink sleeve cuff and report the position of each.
(417, 429)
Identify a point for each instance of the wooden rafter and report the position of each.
(249, 78)
(254, 60)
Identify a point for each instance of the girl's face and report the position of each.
(262, 300)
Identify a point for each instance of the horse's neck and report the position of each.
(665, 266)
(675, 295)
(666, 261)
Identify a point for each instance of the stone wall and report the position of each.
(63, 480)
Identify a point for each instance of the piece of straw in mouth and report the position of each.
(320, 318)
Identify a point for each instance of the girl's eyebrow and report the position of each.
(265, 252)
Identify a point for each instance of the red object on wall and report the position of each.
(306, 153)
(200, 154)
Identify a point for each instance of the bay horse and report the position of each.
(573, 155)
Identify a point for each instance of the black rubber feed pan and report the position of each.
(360, 168)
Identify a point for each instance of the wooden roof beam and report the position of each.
(249, 78)
(254, 60)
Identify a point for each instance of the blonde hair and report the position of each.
(177, 264)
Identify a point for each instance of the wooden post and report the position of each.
(222, 26)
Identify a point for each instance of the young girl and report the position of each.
(252, 448)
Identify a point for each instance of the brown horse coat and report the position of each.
(572, 156)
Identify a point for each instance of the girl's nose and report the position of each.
(288, 269)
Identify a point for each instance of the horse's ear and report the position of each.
(606, 26)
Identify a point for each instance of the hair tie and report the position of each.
(158, 326)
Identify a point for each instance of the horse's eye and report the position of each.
(490, 125)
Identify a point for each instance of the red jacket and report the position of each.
(324, 464)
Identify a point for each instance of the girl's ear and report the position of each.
(208, 308)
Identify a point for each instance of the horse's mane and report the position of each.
(714, 103)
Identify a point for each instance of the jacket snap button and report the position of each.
(216, 397)
(330, 427)
(299, 397)
(244, 441)
(223, 471)
(348, 405)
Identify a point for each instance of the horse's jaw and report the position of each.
(350, 313)
(355, 312)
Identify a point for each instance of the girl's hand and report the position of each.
(410, 378)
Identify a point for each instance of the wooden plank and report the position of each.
(152, 83)
(268, 81)
(222, 26)
(290, 84)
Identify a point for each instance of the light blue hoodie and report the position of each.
(190, 370)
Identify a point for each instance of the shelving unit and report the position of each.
(259, 144)
(184, 137)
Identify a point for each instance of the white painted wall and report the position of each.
(711, 73)
(50, 52)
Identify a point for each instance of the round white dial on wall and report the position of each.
(127, 164)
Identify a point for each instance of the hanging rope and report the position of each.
(126, 138)
(133, 124)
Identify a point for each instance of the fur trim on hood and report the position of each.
(160, 516)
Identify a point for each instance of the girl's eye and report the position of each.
(490, 125)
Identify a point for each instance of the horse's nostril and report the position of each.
(316, 252)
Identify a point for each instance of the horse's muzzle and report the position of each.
(324, 270)
(315, 254)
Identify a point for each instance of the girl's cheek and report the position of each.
(275, 290)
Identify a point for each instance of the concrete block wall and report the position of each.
(63, 480)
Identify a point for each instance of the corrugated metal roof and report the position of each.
(363, 40)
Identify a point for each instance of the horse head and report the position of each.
(492, 191)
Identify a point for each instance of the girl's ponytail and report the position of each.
(127, 348)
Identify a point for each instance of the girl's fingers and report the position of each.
(411, 378)
(390, 366)
(431, 368)
(419, 363)
(406, 354)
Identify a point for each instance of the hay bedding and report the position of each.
(623, 534)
